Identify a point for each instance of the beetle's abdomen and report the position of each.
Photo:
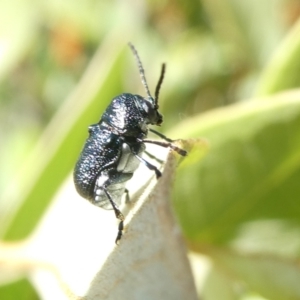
(114, 180)
(102, 150)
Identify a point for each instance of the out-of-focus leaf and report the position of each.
(63, 139)
(282, 72)
(240, 29)
(225, 290)
(273, 277)
(250, 172)
(18, 290)
(17, 31)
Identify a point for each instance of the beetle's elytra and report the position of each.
(115, 145)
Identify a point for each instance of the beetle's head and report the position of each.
(150, 106)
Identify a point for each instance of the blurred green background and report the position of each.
(62, 62)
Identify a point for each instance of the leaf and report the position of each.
(17, 32)
(18, 290)
(272, 277)
(251, 171)
(150, 260)
(152, 255)
(282, 71)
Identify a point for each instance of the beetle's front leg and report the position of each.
(166, 145)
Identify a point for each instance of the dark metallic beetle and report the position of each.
(114, 148)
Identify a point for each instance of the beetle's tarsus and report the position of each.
(120, 232)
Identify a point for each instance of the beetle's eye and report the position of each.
(160, 120)
(145, 107)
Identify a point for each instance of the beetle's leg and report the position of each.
(118, 214)
(120, 232)
(166, 145)
(161, 135)
(149, 166)
(153, 157)
(127, 198)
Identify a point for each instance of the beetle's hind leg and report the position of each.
(118, 214)
(127, 197)
(120, 232)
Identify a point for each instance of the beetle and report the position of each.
(114, 148)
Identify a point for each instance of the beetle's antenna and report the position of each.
(141, 69)
(161, 78)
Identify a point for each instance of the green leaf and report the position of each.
(20, 289)
(272, 277)
(251, 171)
(225, 287)
(282, 72)
(18, 30)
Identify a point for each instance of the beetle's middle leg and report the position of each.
(153, 157)
(149, 166)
